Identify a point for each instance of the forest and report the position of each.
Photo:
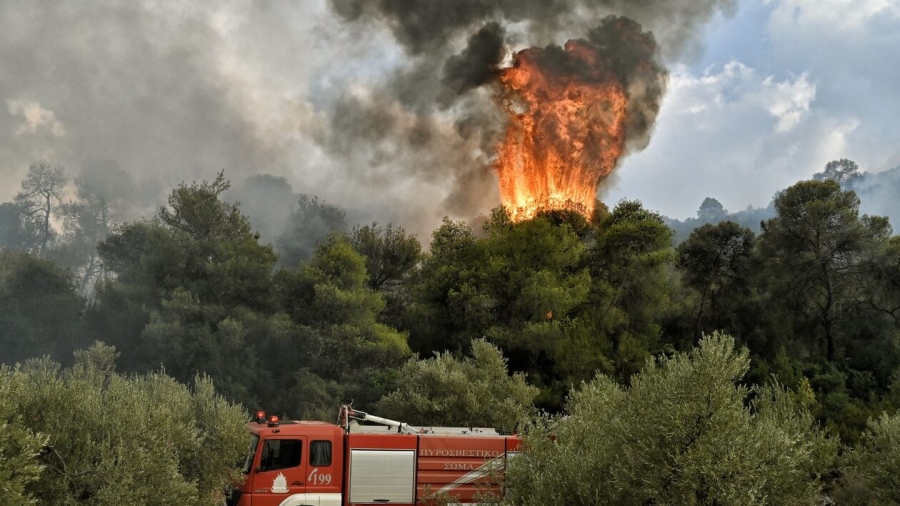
(724, 364)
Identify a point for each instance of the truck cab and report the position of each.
(291, 463)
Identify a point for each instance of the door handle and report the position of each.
(296, 483)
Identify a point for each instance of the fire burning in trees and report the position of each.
(566, 129)
(571, 111)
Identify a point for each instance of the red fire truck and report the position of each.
(296, 463)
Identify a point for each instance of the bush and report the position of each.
(114, 440)
(683, 433)
(875, 462)
(467, 392)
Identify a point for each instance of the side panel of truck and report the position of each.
(463, 467)
(380, 469)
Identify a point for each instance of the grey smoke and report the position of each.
(429, 26)
(267, 200)
(878, 195)
(380, 106)
(632, 54)
(157, 87)
(453, 52)
(478, 64)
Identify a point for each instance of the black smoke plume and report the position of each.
(434, 119)
(381, 106)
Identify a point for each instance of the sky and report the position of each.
(781, 88)
(350, 102)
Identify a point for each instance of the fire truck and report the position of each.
(307, 463)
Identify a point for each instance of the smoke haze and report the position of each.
(382, 107)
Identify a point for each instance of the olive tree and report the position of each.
(19, 445)
(469, 391)
(684, 432)
(114, 439)
(876, 460)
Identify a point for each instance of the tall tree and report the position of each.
(224, 261)
(40, 311)
(536, 283)
(813, 249)
(879, 280)
(845, 172)
(102, 192)
(190, 289)
(336, 335)
(715, 261)
(630, 266)
(446, 313)
(390, 253)
(391, 259)
(523, 286)
(311, 222)
(42, 190)
(711, 211)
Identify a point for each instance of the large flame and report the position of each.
(566, 128)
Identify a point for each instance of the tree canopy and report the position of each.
(97, 437)
(546, 314)
(684, 432)
(470, 392)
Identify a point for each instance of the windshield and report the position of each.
(254, 439)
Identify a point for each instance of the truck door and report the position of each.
(281, 470)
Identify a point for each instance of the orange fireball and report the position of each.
(566, 128)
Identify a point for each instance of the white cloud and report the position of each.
(739, 86)
(798, 84)
(732, 134)
(837, 17)
(164, 87)
(849, 49)
(36, 119)
(788, 100)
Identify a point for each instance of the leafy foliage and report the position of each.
(469, 392)
(684, 432)
(19, 445)
(113, 439)
(311, 222)
(41, 193)
(40, 313)
(877, 458)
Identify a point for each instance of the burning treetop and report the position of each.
(572, 111)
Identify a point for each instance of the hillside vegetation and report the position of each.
(733, 365)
